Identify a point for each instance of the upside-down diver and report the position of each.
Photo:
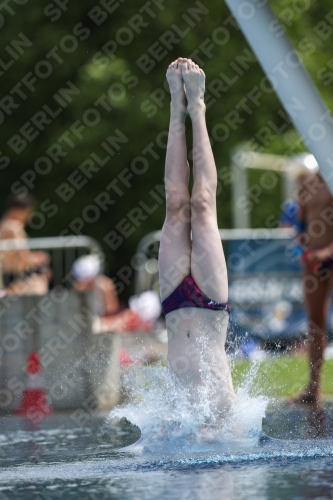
(193, 273)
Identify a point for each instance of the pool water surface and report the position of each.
(58, 458)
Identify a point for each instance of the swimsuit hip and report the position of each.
(188, 294)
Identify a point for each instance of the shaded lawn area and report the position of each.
(280, 376)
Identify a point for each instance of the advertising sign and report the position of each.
(265, 288)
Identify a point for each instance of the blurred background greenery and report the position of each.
(98, 49)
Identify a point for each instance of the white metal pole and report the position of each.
(241, 215)
(290, 80)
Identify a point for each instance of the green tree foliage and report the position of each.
(85, 80)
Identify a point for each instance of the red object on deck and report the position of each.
(124, 357)
(132, 321)
(34, 399)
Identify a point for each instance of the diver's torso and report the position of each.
(196, 352)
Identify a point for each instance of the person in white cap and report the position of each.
(87, 277)
(109, 315)
(315, 236)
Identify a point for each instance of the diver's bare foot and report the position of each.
(176, 85)
(306, 397)
(194, 79)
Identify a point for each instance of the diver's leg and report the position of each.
(208, 266)
(175, 247)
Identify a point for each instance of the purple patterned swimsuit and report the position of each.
(188, 294)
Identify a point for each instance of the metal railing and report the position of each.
(264, 274)
(79, 366)
(147, 275)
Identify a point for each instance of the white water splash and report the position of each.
(168, 419)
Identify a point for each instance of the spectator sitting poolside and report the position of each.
(24, 272)
(87, 277)
(109, 316)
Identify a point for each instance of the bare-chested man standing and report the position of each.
(316, 225)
